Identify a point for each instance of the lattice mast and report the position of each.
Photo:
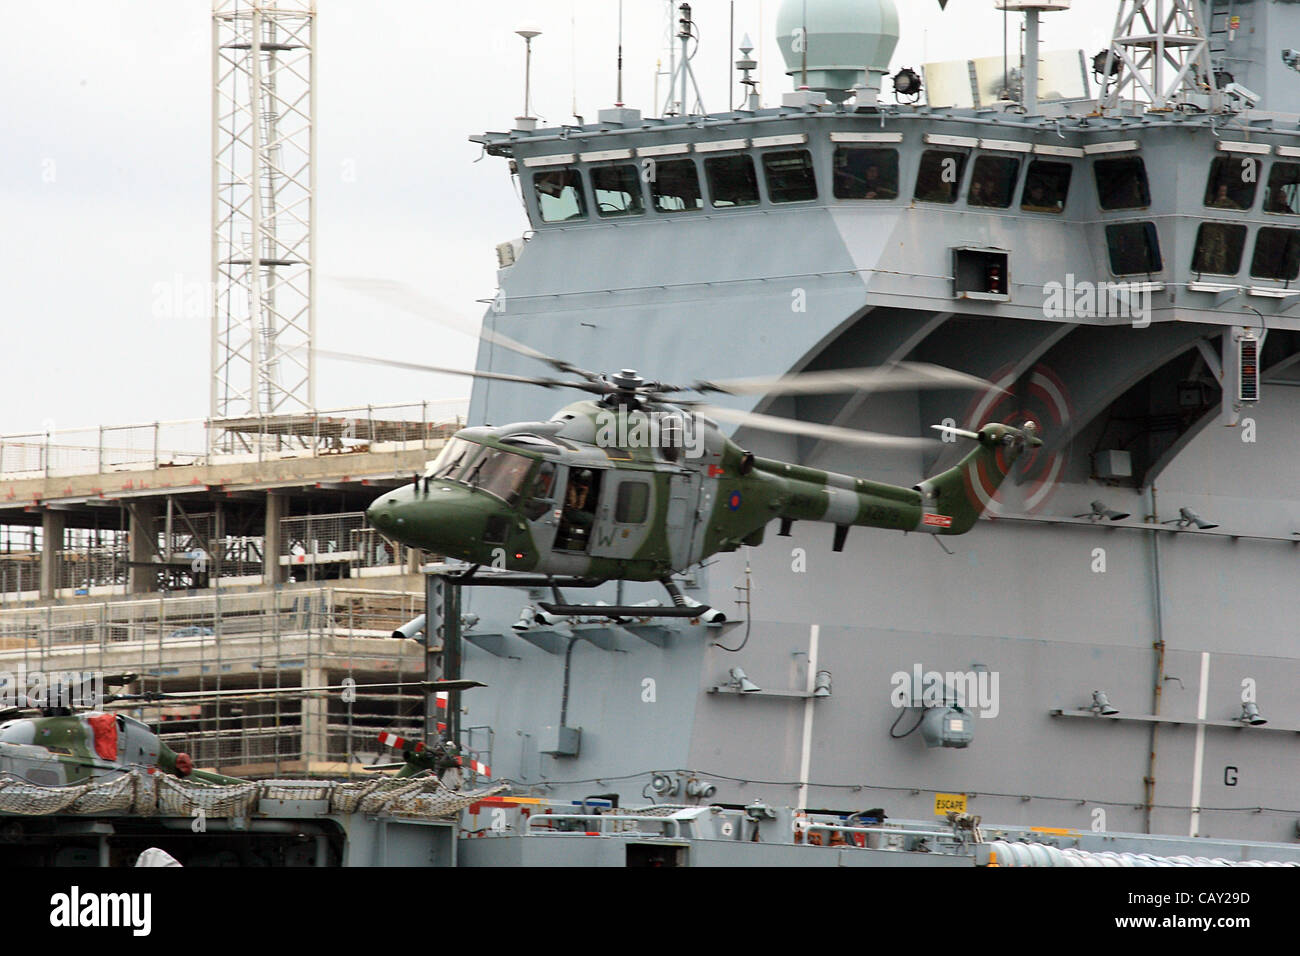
(1160, 56)
(263, 212)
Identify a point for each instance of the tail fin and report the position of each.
(953, 500)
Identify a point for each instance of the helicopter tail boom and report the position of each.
(954, 499)
(948, 503)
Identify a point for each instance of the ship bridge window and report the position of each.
(1277, 254)
(1122, 183)
(1219, 246)
(1134, 248)
(993, 181)
(1283, 189)
(1047, 184)
(865, 173)
(1232, 183)
(617, 190)
(790, 176)
(732, 181)
(940, 175)
(675, 186)
(559, 195)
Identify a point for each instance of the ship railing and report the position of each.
(599, 824)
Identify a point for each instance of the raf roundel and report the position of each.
(733, 501)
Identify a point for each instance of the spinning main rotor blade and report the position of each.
(496, 376)
(903, 375)
(833, 433)
(403, 297)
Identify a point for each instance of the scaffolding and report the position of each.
(259, 640)
(263, 201)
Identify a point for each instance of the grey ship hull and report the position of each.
(1021, 598)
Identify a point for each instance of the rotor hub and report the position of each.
(627, 380)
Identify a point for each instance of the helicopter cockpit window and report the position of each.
(1122, 183)
(617, 190)
(790, 176)
(940, 174)
(559, 195)
(1232, 183)
(1283, 189)
(731, 181)
(500, 473)
(676, 186)
(456, 456)
(865, 173)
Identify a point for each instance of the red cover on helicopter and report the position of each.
(104, 727)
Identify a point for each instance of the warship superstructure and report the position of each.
(1123, 263)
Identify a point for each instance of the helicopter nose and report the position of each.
(385, 514)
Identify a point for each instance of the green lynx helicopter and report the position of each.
(637, 483)
(51, 741)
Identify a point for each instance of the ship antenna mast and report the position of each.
(1160, 53)
(686, 32)
(618, 99)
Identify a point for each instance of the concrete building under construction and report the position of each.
(140, 550)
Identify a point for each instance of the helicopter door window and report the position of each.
(939, 176)
(1283, 189)
(1047, 185)
(559, 195)
(675, 186)
(1134, 248)
(732, 181)
(617, 190)
(1232, 183)
(864, 173)
(545, 482)
(1219, 246)
(540, 499)
(1122, 183)
(633, 503)
(501, 473)
(993, 182)
(1277, 254)
(790, 176)
(579, 512)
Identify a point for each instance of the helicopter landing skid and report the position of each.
(621, 610)
(562, 608)
(618, 612)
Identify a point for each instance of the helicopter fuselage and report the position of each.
(636, 492)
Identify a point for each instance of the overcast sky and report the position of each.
(105, 173)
